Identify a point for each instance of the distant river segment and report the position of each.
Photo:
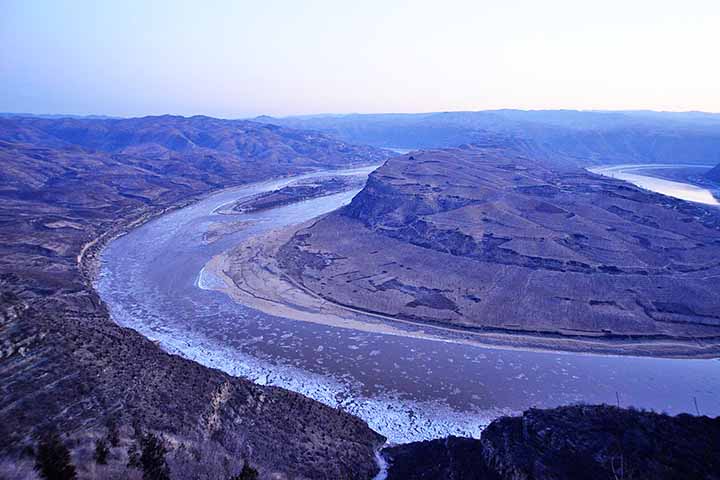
(646, 176)
(406, 387)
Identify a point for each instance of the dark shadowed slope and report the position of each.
(565, 137)
(714, 174)
(64, 184)
(486, 239)
(588, 442)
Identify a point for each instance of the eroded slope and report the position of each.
(66, 186)
(487, 238)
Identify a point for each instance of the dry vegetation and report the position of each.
(486, 239)
(65, 364)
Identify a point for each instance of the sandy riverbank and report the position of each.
(250, 274)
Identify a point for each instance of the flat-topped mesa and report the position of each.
(487, 238)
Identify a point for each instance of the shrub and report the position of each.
(247, 473)
(101, 452)
(152, 458)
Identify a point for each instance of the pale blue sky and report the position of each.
(280, 57)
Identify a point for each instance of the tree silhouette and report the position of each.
(113, 435)
(247, 473)
(52, 461)
(152, 458)
(101, 451)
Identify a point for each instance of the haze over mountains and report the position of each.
(567, 137)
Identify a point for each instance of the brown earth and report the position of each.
(486, 239)
(67, 186)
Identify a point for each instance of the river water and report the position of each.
(650, 177)
(406, 388)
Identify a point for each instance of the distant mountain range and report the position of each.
(568, 137)
(209, 143)
(55, 115)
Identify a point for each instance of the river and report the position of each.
(406, 388)
(650, 177)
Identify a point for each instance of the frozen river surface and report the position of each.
(406, 388)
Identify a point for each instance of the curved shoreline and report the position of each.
(251, 276)
(400, 420)
(634, 173)
(419, 404)
(88, 258)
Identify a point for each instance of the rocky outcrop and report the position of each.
(589, 442)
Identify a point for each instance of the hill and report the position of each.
(69, 185)
(491, 243)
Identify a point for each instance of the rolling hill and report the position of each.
(69, 185)
(489, 240)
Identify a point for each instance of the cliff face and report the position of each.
(488, 237)
(66, 364)
(589, 442)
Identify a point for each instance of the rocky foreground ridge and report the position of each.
(67, 186)
(568, 443)
(488, 239)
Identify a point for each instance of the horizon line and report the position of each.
(100, 116)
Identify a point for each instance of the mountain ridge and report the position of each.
(566, 137)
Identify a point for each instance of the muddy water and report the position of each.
(406, 388)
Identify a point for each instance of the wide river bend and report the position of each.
(406, 388)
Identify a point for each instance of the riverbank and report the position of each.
(57, 323)
(450, 272)
(251, 275)
(667, 186)
(156, 281)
